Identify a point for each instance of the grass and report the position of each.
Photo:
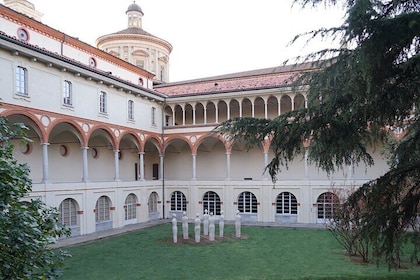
(262, 253)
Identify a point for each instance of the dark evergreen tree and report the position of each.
(358, 94)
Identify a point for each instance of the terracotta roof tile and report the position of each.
(250, 80)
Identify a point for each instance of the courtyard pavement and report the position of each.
(65, 242)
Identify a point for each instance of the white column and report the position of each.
(205, 115)
(194, 167)
(228, 166)
(228, 111)
(45, 169)
(116, 165)
(216, 112)
(85, 164)
(141, 158)
(279, 108)
(183, 116)
(193, 113)
(266, 174)
(306, 164)
(266, 109)
(173, 116)
(253, 109)
(240, 110)
(161, 167)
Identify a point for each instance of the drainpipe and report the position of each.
(163, 161)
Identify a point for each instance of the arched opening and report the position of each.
(199, 113)
(211, 112)
(211, 202)
(178, 115)
(103, 214)
(286, 208)
(286, 104)
(246, 108)
(130, 209)
(259, 108)
(272, 107)
(178, 204)
(327, 205)
(152, 206)
(234, 109)
(222, 111)
(189, 115)
(68, 215)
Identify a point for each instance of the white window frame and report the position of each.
(68, 212)
(130, 207)
(130, 110)
(103, 102)
(21, 76)
(102, 209)
(153, 116)
(286, 204)
(178, 201)
(211, 202)
(67, 93)
(247, 203)
(153, 200)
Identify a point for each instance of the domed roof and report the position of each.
(134, 7)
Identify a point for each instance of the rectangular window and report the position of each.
(21, 80)
(130, 109)
(102, 102)
(67, 93)
(153, 116)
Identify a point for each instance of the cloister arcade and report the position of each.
(217, 110)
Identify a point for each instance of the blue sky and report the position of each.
(209, 37)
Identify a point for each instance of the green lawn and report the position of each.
(262, 253)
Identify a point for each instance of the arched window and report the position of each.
(211, 202)
(247, 203)
(286, 203)
(68, 212)
(102, 211)
(130, 207)
(327, 203)
(178, 201)
(153, 199)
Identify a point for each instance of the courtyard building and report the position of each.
(114, 143)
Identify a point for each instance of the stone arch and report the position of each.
(259, 108)
(222, 111)
(64, 149)
(285, 104)
(210, 151)
(169, 121)
(179, 115)
(199, 113)
(246, 107)
(102, 147)
(299, 101)
(178, 159)
(272, 107)
(151, 158)
(189, 114)
(129, 148)
(234, 108)
(211, 112)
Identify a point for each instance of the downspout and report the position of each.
(62, 44)
(163, 161)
